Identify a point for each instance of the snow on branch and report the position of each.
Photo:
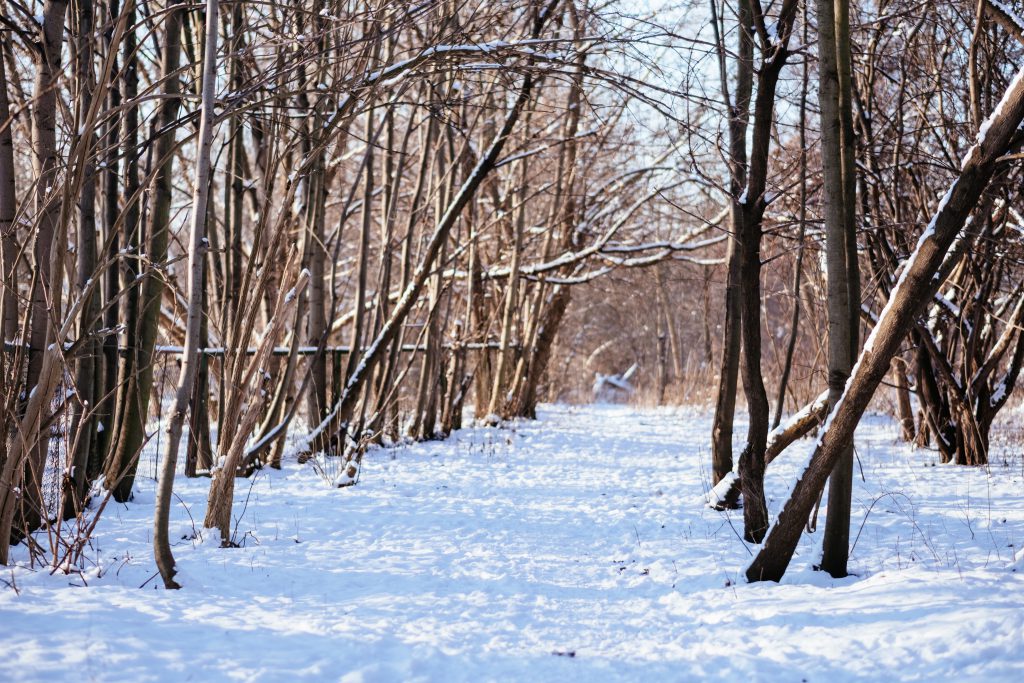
(1006, 17)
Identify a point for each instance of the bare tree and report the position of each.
(921, 277)
(197, 246)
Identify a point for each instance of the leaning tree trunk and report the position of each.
(921, 277)
(342, 411)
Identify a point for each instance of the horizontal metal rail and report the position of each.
(219, 351)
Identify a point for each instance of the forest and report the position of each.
(438, 290)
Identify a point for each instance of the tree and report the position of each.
(835, 96)
(197, 247)
(922, 275)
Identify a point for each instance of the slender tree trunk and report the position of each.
(197, 247)
(391, 185)
(47, 251)
(107, 429)
(738, 106)
(363, 265)
(501, 370)
(121, 474)
(794, 324)
(389, 409)
(750, 208)
(127, 378)
(316, 399)
(835, 100)
(479, 326)
(662, 367)
(674, 346)
(751, 465)
(903, 405)
(8, 210)
(90, 371)
(9, 249)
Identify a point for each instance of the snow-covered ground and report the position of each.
(572, 548)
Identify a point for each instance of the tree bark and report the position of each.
(903, 406)
(752, 205)
(738, 106)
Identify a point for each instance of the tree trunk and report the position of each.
(135, 403)
(922, 276)
(105, 407)
(751, 465)
(752, 204)
(8, 210)
(127, 375)
(48, 252)
(197, 247)
(794, 324)
(90, 368)
(834, 95)
(903, 406)
(738, 105)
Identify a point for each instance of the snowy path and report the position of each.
(497, 554)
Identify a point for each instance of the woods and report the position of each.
(242, 235)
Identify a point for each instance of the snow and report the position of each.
(719, 494)
(576, 547)
(998, 111)
(999, 394)
(803, 413)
